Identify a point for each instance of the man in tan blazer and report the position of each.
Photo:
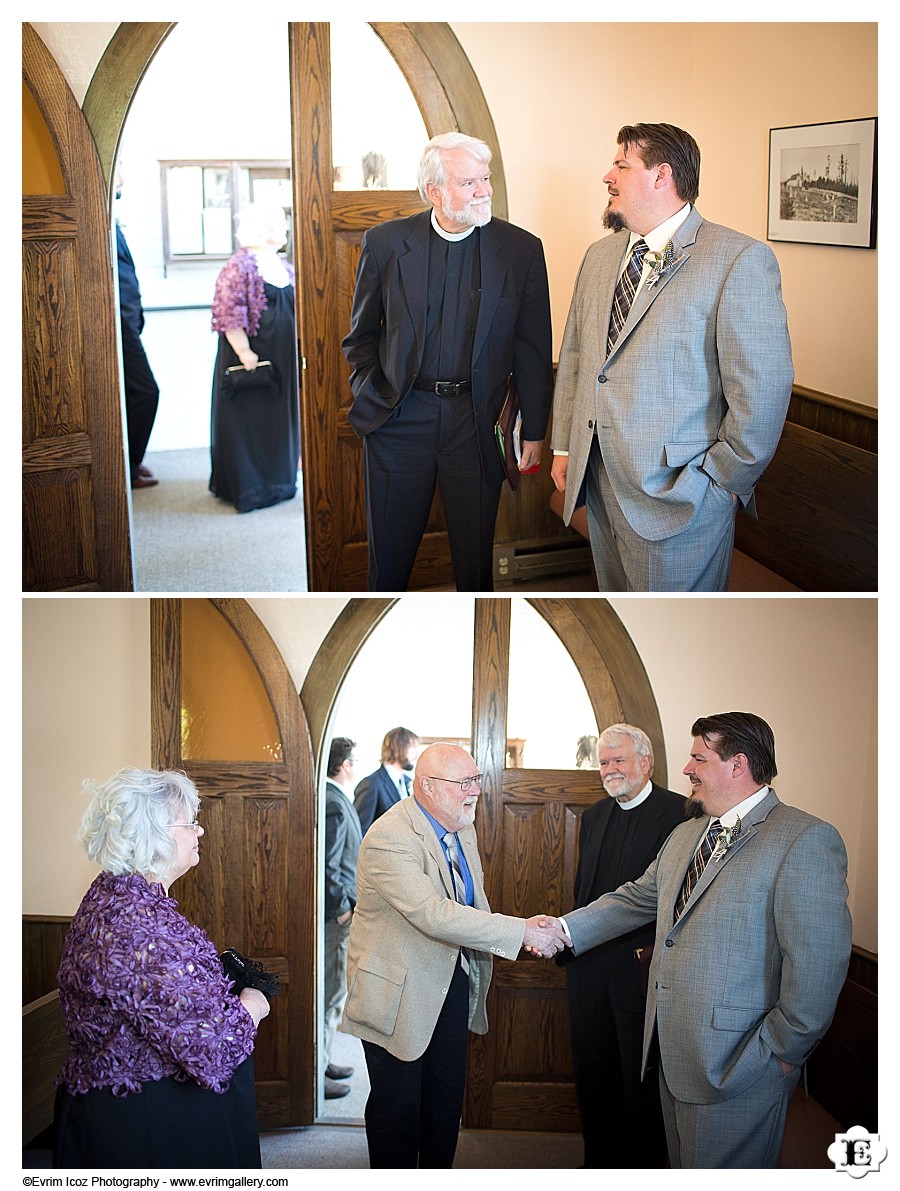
(422, 943)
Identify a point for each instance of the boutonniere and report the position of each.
(660, 262)
(725, 840)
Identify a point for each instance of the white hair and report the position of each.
(637, 736)
(432, 170)
(260, 224)
(125, 827)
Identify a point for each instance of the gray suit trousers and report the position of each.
(696, 559)
(337, 938)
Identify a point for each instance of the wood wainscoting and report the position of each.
(818, 499)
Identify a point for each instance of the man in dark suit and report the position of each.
(343, 835)
(620, 836)
(391, 781)
(141, 389)
(447, 304)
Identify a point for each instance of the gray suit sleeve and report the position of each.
(631, 905)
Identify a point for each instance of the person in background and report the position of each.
(139, 383)
(391, 781)
(160, 1070)
(343, 835)
(620, 835)
(255, 421)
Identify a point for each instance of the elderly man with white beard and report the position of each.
(447, 304)
(422, 943)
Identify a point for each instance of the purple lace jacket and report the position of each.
(240, 295)
(144, 994)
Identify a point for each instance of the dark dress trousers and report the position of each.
(413, 439)
(621, 1117)
(373, 795)
(141, 389)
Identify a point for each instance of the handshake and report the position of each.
(544, 936)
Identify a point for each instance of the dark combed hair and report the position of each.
(341, 749)
(664, 142)
(397, 744)
(733, 732)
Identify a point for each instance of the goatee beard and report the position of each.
(614, 221)
(693, 808)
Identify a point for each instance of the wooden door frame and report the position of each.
(449, 96)
(293, 775)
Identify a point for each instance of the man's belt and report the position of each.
(443, 388)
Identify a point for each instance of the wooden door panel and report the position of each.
(75, 505)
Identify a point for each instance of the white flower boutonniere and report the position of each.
(725, 840)
(660, 262)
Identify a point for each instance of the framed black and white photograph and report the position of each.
(822, 183)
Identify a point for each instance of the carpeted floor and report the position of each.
(186, 540)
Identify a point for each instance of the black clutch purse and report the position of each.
(248, 973)
(239, 380)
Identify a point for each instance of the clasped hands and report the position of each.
(544, 936)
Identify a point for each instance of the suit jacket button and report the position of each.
(602, 379)
(444, 991)
(670, 942)
(590, 425)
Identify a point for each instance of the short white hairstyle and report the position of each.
(261, 223)
(637, 736)
(125, 828)
(432, 170)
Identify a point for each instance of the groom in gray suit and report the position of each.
(752, 948)
(674, 376)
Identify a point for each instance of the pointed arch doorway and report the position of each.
(528, 822)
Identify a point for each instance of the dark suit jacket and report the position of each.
(343, 835)
(130, 307)
(598, 872)
(387, 328)
(373, 795)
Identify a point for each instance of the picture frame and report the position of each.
(822, 183)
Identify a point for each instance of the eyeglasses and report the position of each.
(194, 825)
(465, 785)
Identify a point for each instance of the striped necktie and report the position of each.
(459, 884)
(626, 288)
(697, 865)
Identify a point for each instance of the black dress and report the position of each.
(179, 1126)
(255, 432)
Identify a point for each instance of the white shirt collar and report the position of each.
(451, 236)
(657, 239)
(637, 800)
(743, 808)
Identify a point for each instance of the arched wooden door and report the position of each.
(528, 820)
(255, 888)
(75, 533)
(329, 229)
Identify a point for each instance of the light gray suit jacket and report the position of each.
(407, 931)
(752, 969)
(696, 388)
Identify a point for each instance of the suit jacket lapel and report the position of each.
(412, 266)
(681, 240)
(493, 275)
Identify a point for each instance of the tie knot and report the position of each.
(449, 839)
(640, 247)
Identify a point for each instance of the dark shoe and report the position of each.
(333, 1090)
(333, 1072)
(144, 479)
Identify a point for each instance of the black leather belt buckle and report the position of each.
(443, 388)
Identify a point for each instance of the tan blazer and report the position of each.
(407, 930)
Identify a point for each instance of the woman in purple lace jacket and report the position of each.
(255, 422)
(160, 1072)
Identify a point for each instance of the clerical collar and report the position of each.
(451, 236)
(637, 800)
